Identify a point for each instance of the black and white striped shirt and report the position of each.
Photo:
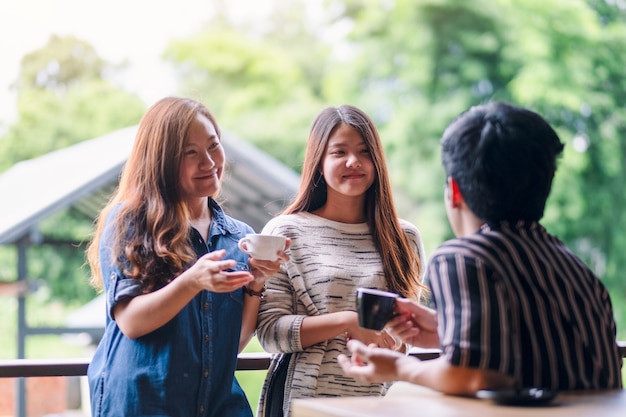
(516, 300)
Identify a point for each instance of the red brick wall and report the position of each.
(44, 395)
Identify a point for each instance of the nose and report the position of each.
(207, 161)
(353, 161)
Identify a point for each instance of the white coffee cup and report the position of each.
(262, 247)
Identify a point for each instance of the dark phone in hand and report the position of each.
(521, 397)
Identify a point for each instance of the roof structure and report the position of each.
(83, 176)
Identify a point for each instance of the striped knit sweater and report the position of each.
(328, 261)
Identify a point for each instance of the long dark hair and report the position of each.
(152, 224)
(401, 264)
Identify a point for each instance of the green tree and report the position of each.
(63, 98)
(575, 78)
(263, 84)
(63, 62)
(417, 64)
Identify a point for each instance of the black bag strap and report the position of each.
(276, 387)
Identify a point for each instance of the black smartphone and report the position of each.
(531, 396)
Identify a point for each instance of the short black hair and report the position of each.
(503, 158)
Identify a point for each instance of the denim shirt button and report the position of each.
(201, 409)
(206, 306)
(206, 373)
(206, 337)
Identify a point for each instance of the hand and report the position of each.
(211, 273)
(382, 339)
(262, 270)
(415, 324)
(371, 364)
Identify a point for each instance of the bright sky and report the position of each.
(137, 30)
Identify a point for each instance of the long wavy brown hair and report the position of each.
(401, 264)
(150, 240)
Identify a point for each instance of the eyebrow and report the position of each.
(363, 143)
(210, 137)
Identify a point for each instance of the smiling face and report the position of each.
(203, 161)
(347, 164)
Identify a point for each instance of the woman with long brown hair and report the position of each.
(182, 299)
(345, 234)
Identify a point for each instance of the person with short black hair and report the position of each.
(515, 307)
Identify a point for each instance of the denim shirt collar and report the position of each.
(221, 224)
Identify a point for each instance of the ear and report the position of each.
(455, 194)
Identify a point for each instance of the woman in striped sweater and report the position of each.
(345, 233)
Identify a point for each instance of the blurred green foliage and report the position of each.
(64, 98)
(412, 65)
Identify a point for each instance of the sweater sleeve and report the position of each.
(415, 238)
(278, 325)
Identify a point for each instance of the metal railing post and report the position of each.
(22, 271)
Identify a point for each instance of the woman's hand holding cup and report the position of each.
(267, 253)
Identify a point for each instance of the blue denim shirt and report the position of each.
(185, 368)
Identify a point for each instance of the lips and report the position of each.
(353, 176)
(207, 176)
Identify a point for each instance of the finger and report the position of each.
(227, 284)
(343, 361)
(353, 370)
(389, 341)
(230, 276)
(346, 364)
(408, 334)
(226, 266)
(356, 346)
(400, 316)
(263, 265)
(267, 267)
(214, 266)
(349, 365)
(233, 275)
(358, 361)
(247, 275)
(260, 275)
(360, 351)
(214, 255)
(402, 326)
